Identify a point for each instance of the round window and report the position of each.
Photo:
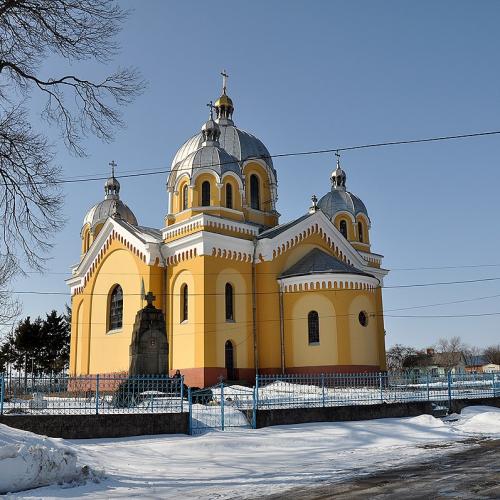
(363, 318)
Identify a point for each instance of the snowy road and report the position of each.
(470, 474)
(252, 463)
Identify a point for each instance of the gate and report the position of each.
(221, 407)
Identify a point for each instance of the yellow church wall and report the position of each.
(185, 336)
(298, 351)
(93, 348)
(239, 331)
(341, 302)
(363, 339)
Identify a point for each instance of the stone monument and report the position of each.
(149, 346)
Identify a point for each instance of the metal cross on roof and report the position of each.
(211, 106)
(149, 298)
(112, 164)
(225, 76)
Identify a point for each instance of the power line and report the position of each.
(281, 155)
(413, 285)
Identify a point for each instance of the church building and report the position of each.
(240, 292)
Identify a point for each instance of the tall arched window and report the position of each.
(360, 231)
(229, 195)
(205, 194)
(184, 303)
(343, 228)
(185, 197)
(115, 318)
(229, 302)
(313, 327)
(254, 192)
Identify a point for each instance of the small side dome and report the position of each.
(111, 206)
(339, 199)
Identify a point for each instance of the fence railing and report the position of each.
(93, 394)
(106, 394)
(341, 389)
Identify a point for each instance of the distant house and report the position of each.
(436, 364)
(479, 364)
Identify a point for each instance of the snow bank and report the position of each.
(28, 460)
(480, 420)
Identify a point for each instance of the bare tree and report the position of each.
(31, 31)
(451, 352)
(492, 354)
(397, 355)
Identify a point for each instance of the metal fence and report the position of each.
(93, 394)
(224, 406)
(341, 389)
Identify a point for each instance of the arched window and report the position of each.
(229, 359)
(185, 197)
(313, 327)
(205, 194)
(229, 196)
(254, 192)
(116, 308)
(229, 302)
(360, 231)
(184, 303)
(343, 228)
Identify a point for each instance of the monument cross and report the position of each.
(150, 298)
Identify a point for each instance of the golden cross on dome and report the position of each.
(112, 164)
(225, 76)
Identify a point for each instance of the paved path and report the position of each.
(470, 474)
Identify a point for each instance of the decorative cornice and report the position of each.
(328, 281)
(205, 220)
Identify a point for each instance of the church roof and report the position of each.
(319, 262)
(275, 231)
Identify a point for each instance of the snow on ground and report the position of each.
(248, 463)
(28, 460)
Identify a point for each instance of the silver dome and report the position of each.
(109, 208)
(235, 141)
(210, 156)
(338, 200)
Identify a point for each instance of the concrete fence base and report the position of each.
(100, 426)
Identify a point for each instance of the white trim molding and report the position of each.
(328, 281)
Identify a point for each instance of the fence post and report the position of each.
(449, 389)
(97, 394)
(2, 393)
(254, 410)
(222, 404)
(428, 389)
(256, 396)
(380, 382)
(323, 388)
(182, 392)
(190, 406)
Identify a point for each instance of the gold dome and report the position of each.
(224, 100)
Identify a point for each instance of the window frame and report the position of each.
(343, 228)
(184, 304)
(229, 195)
(205, 191)
(255, 192)
(115, 321)
(184, 195)
(313, 332)
(229, 302)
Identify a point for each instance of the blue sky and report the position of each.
(316, 75)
